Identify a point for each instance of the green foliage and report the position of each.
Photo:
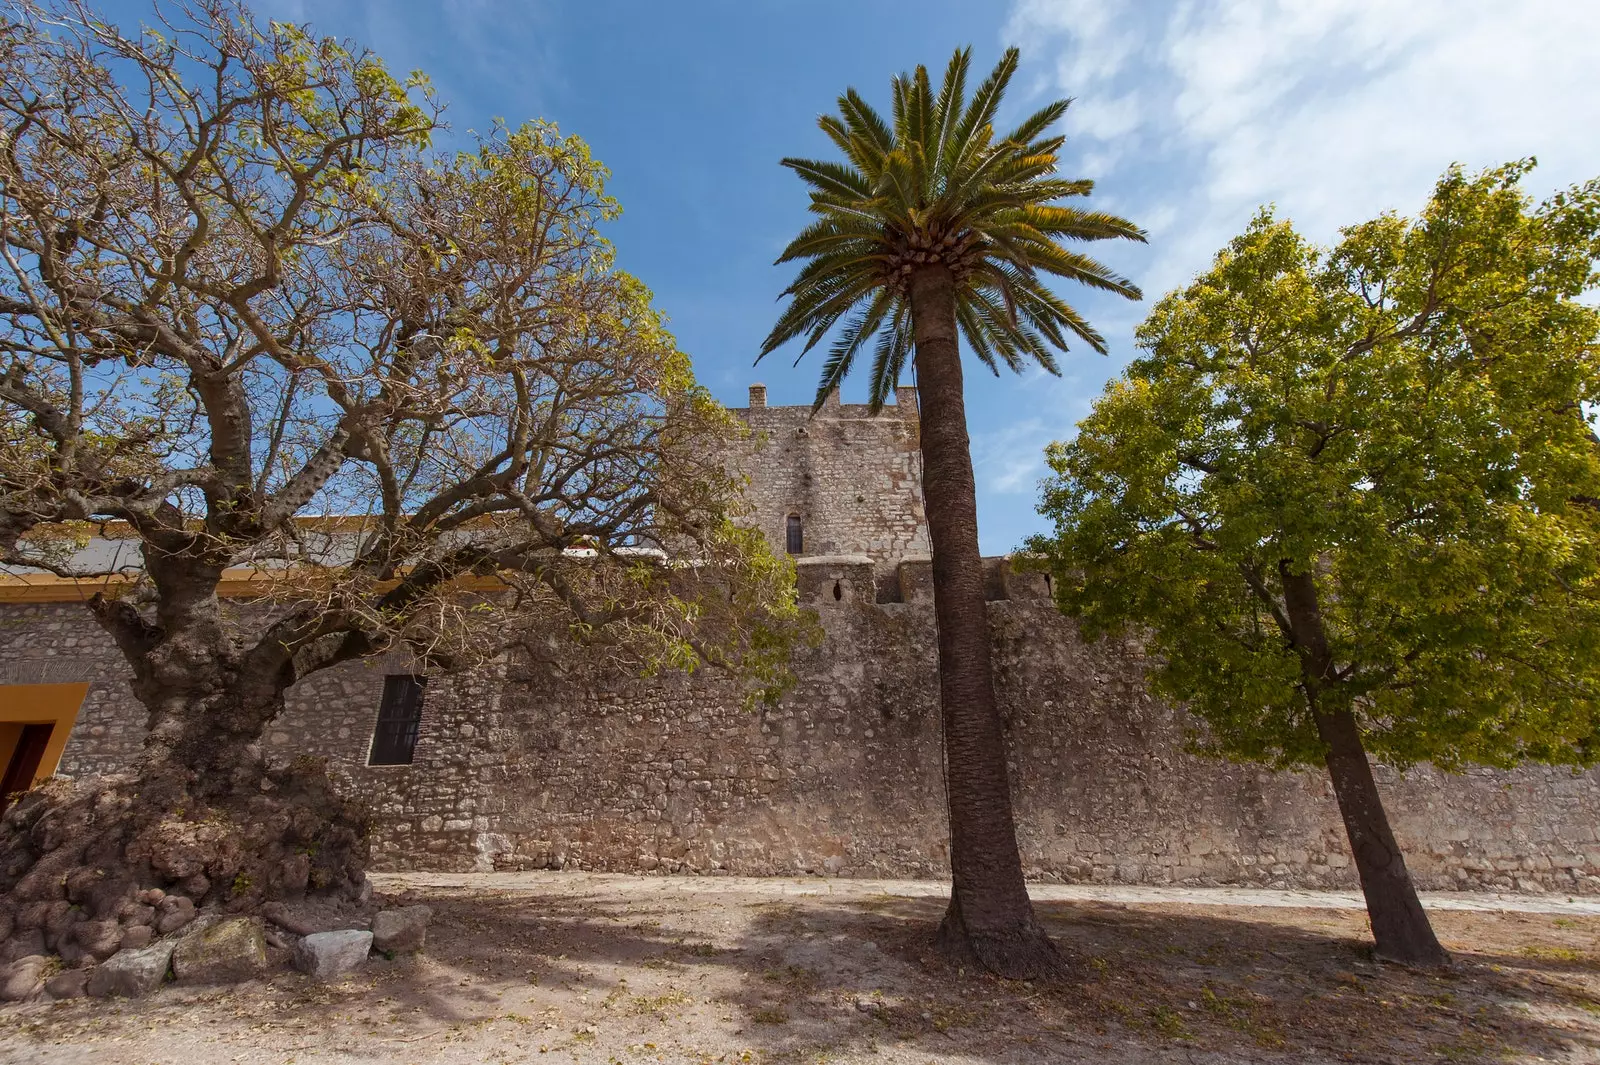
(938, 185)
(1404, 417)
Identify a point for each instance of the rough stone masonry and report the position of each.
(549, 763)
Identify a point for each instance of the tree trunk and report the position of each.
(211, 742)
(1400, 928)
(990, 919)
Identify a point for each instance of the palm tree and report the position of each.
(934, 226)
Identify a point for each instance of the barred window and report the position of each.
(394, 739)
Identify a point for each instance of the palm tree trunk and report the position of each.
(990, 919)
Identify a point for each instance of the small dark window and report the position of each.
(795, 536)
(399, 720)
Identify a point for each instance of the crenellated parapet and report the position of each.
(829, 580)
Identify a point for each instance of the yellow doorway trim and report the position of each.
(39, 704)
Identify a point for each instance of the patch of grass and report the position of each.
(1243, 1014)
(770, 1015)
(948, 1016)
(1169, 1022)
(795, 977)
(1566, 954)
(660, 1003)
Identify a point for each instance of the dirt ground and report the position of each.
(611, 969)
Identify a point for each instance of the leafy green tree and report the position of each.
(935, 227)
(1344, 493)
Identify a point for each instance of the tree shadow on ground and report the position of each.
(818, 978)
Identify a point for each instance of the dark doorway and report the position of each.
(24, 761)
(794, 537)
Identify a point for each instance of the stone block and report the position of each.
(825, 579)
(401, 930)
(132, 973)
(330, 955)
(70, 984)
(916, 580)
(231, 950)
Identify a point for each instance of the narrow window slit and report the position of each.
(394, 737)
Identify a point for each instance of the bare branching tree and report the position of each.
(249, 317)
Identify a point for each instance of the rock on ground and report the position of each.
(231, 950)
(70, 984)
(23, 978)
(401, 931)
(329, 955)
(132, 973)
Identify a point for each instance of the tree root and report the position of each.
(1017, 950)
(88, 868)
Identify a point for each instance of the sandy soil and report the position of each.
(609, 969)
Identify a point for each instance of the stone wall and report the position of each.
(853, 478)
(551, 764)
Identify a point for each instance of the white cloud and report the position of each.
(1335, 110)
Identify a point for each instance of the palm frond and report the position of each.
(836, 178)
(1038, 122)
(936, 168)
(889, 357)
(856, 332)
(947, 110)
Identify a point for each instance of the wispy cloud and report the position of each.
(1335, 110)
(1190, 116)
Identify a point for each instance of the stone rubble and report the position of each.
(330, 955)
(401, 931)
(228, 951)
(24, 978)
(132, 973)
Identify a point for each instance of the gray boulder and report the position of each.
(226, 952)
(330, 955)
(23, 978)
(401, 931)
(70, 984)
(132, 973)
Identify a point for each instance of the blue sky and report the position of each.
(1188, 115)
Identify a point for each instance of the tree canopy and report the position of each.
(241, 290)
(1403, 419)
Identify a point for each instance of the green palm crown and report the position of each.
(939, 186)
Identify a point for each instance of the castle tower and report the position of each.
(842, 482)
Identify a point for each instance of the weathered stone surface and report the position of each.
(23, 978)
(137, 937)
(173, 913)
(225, 952)
(132, 973)
(23, 942)
(99, 938)
(73, 983)
(554, 763)
(330, 955)
(401, 931)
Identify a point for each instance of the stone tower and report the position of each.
(842, 482)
